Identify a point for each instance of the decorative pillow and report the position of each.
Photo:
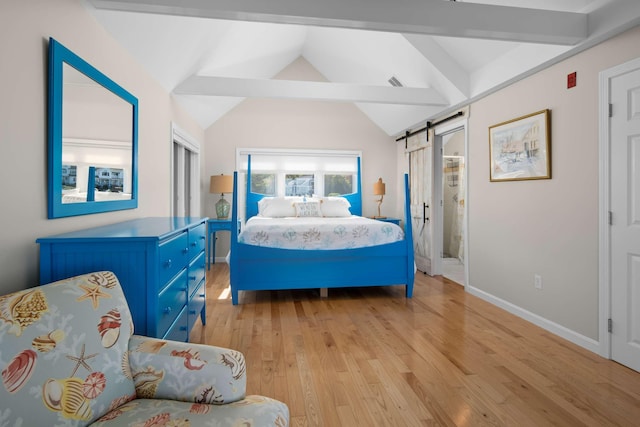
(335, 207)
(278, 207)
(307, 209)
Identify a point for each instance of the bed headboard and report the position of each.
(252, 199)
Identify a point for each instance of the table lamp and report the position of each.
(221, 184)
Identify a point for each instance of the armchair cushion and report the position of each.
(253, 411)
(184, 371)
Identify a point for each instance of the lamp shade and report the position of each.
(221, 184)
(379, 188)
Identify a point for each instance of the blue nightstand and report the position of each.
(215, 225)
(395, 221)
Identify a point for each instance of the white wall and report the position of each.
(25, 28)
(274, 123)
(546, 227)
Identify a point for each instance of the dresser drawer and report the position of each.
(173, 256)
(196, 304)
(196, 272)
(179, 331)
(171, 301)
(197, 238)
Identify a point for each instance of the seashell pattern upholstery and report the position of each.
(68, 357)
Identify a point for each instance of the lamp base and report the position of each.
(379, 203)
(222, 208)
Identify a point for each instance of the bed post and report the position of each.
(247, 191)
(408, 237)
(359, 188)
(233, 256)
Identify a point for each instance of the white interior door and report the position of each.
(625, 218)
(421, 178)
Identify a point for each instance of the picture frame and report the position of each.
(520, 149)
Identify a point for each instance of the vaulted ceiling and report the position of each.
(211, 55)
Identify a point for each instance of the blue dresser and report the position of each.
(160, 263)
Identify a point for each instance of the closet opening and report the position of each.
(452, 206)
(185, 174)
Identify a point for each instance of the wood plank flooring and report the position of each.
(371, 357)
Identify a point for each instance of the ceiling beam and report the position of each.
(434, 17)
(296, 89)
(440, 59)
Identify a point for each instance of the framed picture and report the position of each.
(520, 149)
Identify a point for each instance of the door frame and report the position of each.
(183, 138)
(437, 192)
(604, 250)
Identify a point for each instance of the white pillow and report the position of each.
(277, 207)
(263, 203)
(335, 207)
(307, 209)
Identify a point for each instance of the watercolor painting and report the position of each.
(520, 149)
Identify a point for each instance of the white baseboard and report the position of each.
(568, 334)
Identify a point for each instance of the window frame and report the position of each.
(281, 173)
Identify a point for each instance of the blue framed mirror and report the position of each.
(93, 139)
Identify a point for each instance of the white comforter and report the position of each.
(318, 233)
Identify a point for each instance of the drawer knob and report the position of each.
(167, 263)
(202, 237)
(193, 244)
(167, 310)
(183, 328)
(202, 295)
(192, 312)
(185, 250)
(192, 277)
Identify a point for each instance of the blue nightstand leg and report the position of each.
(213, 251)
(214, 226)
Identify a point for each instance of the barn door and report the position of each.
(421, 183)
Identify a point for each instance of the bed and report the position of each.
(255, 267)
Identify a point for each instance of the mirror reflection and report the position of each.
(96, 141)
(93, 123)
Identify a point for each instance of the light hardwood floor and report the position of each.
(371, 357)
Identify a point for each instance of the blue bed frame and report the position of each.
(256, 268)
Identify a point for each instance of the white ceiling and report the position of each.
(213, 54)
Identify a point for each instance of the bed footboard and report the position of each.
(260, 268)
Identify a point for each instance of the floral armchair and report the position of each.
(68, 357)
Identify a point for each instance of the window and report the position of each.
(293, 172)
(299, 185)
(109, 179)
(338, 184)
(69, 173)
(263, 183)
